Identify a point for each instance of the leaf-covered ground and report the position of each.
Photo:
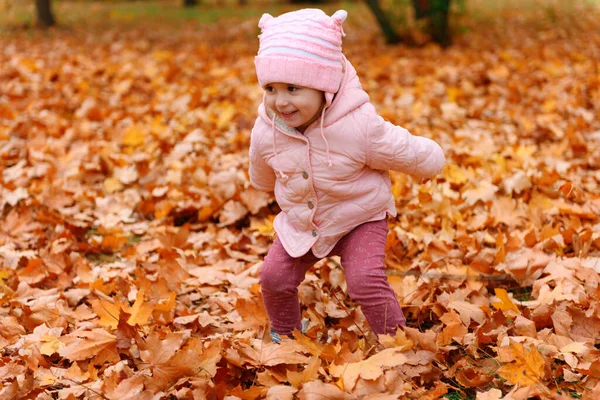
(130, 239)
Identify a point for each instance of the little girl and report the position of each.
(321, 147)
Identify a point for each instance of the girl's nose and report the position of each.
(281, 100)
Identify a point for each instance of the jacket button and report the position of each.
(314, 233)
(305, 175)
(310, 205)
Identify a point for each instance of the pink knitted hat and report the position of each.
(302, 48)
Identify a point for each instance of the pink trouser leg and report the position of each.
(280, 276)
(362, 253)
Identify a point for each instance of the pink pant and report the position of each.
(362, 252)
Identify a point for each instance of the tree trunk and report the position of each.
(421, 8)
(386, 27)
(44, 13)
(190, 3)
(439, 22)
(437, 11)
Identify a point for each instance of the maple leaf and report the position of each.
(127, 389)
(159, 351)
(251, 312)
(399, 340)
(254, 199)
(107, 311)
(505, 303)
(527, 369)
(258, 353)
(317, 390)
(327, 352)
(232, 212)
(310, 372)
(485, 191)
(281, 392)
(140, 311)
(468, 312)
(454, 330)
(83, 345)
(371, 368)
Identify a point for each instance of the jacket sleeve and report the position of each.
(393, 147)
(262, 177)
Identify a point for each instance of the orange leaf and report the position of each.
(82, 345)
(107, 311)
(527, 369)
(140, 311)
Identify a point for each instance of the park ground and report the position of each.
(130, 239)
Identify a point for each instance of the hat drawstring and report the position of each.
(325, 139)
(282, 175)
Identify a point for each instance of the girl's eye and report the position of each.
(269, 89)
(292, 88)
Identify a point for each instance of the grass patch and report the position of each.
(522, 293)
(70, 13)
(166, 12)
(456, 395)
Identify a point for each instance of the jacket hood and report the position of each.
(350, 96)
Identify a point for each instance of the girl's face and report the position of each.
(298, 106)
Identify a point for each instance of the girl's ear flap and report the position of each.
(262, 24)
(340, 16)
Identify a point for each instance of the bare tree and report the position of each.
(43, 9)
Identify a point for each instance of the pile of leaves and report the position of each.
(131, 240)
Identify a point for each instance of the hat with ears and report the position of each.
(302, 48)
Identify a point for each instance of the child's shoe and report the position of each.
(305, 322)
(275, 338)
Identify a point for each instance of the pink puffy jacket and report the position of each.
(333, 178)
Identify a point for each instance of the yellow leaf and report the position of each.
(140, 311)
(30, 64)
(549, 105)
(399, 341)
(112, 185)
(452, 92)
(527, 369)
(50, 345)
(162, 209)
(167, 305)
(3, 277)
(162, 55)
(134, 136)
(225, 116)
(505, 302)
(455, 175)
(263, 226)
(524, 152)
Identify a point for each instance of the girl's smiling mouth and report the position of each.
(287, 115)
